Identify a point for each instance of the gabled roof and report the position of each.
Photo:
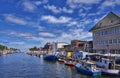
(97, 27)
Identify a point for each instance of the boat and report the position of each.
(70, 62)
(50, 57)
(88, 68)
(61, 59)
(107, 67)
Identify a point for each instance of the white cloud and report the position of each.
(10, 18)
(53, 19)
(17, 43)
(46, 34)
(13, 19)
(83, 1)
(54, 9)
(29, 6)
(79, 34)
(79, 3)
(40, 2)
(82, 14)
(40, 28)
(72, 23)
(13, 33)
(109, 3)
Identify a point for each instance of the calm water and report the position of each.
(20, 65)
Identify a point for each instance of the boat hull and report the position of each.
(70, 64)
(50, 57)
(87, 72)
(111, 72)
(60, 60)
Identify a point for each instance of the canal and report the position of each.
(20, 65)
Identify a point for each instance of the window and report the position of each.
(119, 40)
(114, 40)
(106, 41)
(110, 41)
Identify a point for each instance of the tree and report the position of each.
(34, 48)
(3, 47)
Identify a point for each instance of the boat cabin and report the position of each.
(105, 63)
(88, 65)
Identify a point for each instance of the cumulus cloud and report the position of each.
(110, 3)
(17, 43)
(46, 34)
(52, 19)
(32, 6)
(29, 6)
(13, 33)
(54, 9)
(13, 19)
(79, 34)
(10, 18)
(72, 23)
(78, 3)
(84, 1)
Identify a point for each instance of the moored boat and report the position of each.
(88, 68)
(110, 72)
(50, 57)
(107, 67)
(61, 60)
(70, 62)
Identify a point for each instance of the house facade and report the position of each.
(77, 45)
(106, 34)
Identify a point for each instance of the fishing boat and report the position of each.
(51, 54)
(88, 68)
(107, 67)
(70, 62)
(50, 57)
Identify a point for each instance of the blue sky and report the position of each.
(28, 23)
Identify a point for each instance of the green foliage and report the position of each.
(3, 47)
(34, 48)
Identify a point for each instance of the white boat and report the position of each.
(107, 67)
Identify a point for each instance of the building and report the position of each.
(60, 46)
(54, 46)
(106, 34)
(77, 45)
(88, 46)
(67, 48)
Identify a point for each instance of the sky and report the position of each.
(28, 23)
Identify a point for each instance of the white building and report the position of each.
(61, 44)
